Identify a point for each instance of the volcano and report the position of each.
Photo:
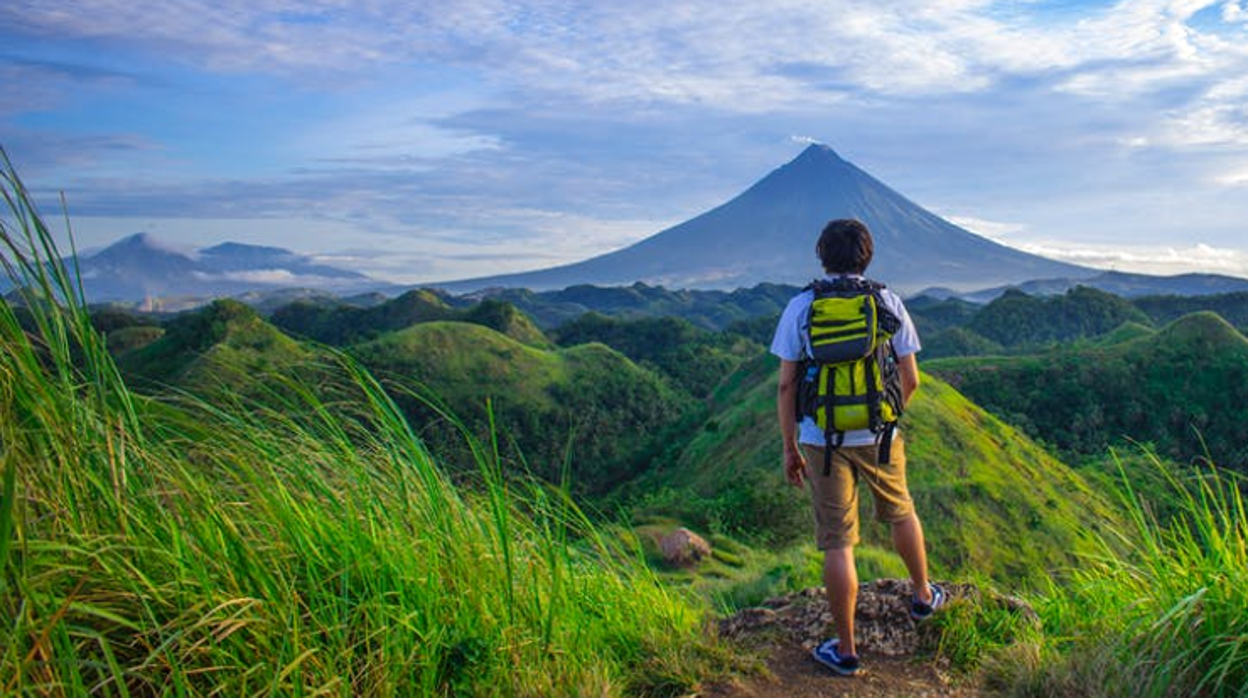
(768, 234)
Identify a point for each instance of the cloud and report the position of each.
(738, 56)
(43, 82)
(993, 230)
(280, 277)
(257, 276)
(1233, 178)
(36, 151)
(1147, 259)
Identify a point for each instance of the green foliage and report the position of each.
(993, 503)
(760, 329)
(128, 339)
(109, 319)
(342, 324)
(1233, 307)
(587, 405)
(695, 359)
(1125, 332)
(710, 310)
(199, 330)
(958, 341)
(1178, 389)
(1016, 319)
(983, 631)
(1160, 612)
(505, 318)
(586, 412)
(738, 575)
(221, 349)
(932, 315)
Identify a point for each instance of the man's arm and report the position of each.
(786, 411)
(908, 369)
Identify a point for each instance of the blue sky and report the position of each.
(430, 140)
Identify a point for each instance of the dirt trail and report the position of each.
(795, 675)
(784, 630)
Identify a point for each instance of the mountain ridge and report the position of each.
(142, 267)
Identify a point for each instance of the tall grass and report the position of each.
(296, 546)
(1163, 612)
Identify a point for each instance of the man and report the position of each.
(845, 248)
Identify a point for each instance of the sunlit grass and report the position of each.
(1162, 612)
(304, 544)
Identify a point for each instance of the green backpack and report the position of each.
(850, 380)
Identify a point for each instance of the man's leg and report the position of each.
(840, 578)
(836, 517)
(908, 540)
(893, 503)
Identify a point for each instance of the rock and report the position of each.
(684, 547)
(882, 619)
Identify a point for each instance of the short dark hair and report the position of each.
(845, 247)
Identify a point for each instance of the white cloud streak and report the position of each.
(1146, 259)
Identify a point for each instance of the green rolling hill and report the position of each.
(588, 403)
(993, 502)
(1180, 389)
(224, 345)
(340, 323)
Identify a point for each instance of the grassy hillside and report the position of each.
(710, 310)
(1179, 389)
(932, 315)
(587, 405)
(695, 359)
(223, 346)
(1125, 332)
(1016, 319)
(1233, 307)
(341, 323)
(995, 505)
(1159, 612)
(338, 323)
(152, 547)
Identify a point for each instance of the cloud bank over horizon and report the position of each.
(431, 141)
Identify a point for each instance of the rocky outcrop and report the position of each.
(684, 547)
(882, 622)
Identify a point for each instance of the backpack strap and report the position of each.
(832, 440)
(886, 443)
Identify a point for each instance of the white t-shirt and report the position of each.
(789, 344)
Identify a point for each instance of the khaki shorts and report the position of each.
(836, 496)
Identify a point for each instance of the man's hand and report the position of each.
(794, 466)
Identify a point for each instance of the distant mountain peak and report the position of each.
(136, 239)
(142, 246)
(144, 240)
(818, 152)
(140, 266)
